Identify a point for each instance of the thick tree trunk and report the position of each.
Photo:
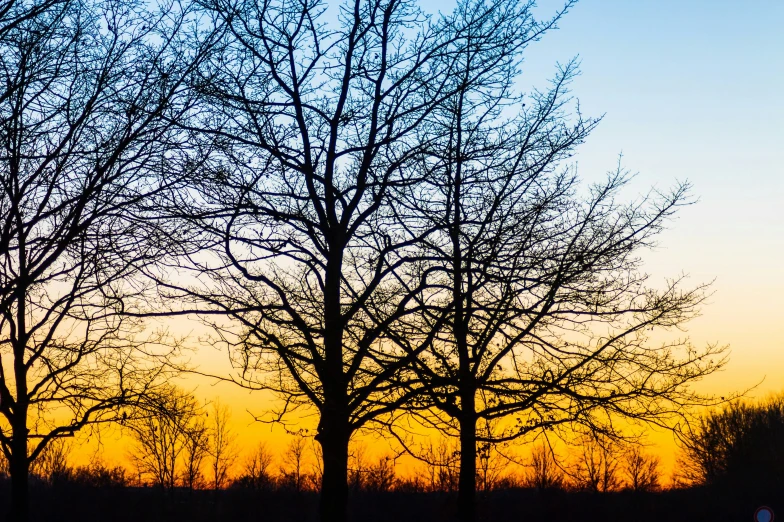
(20, 471)
(334, 431)
(466, 493)
(333, 503)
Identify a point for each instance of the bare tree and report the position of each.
(442, 461)
(223, 448)
(738, 445)
(309, 125)
(533, 303)
(52, 464)
(491, 466)
(597, 465)
(257, 470)
(381, 475)
(294, 460)
(162, 435)
(195, 451)
(642, 470)
(544, 472)
(90, 90)
(357, 466)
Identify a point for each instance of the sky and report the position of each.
(690, 90)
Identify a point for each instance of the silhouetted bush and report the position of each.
(739, 446)
(257, 471)
(99, 475)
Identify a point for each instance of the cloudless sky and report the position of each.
(692, 90)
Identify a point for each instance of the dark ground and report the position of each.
(72, 503)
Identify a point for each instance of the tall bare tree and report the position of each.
(195, 452)
(534, 305)
(89, 93)
(223, 447)
(598, 465)
(164, 434)
(642, 470)
(309, 124)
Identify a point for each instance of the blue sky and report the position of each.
(693, 90)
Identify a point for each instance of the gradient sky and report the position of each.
(691, 90)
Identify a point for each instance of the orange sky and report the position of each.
(754, 356)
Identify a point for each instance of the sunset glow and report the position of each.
(322, 250)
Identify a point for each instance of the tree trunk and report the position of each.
(20, 471)
(333, 502)
(334, 431)
(466, 493)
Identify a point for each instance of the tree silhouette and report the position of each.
(738, 446)
(642, 470)
(306, 127)
(380, 476)
(52, 464)
(389, 229)
(532, 302)
(257, 470)
(442, 464)
(164, 434)
(544, 471)
(223, 448)
(90, 90)
(598, 465)
(195, 451)
(491, 465)
(294, 474)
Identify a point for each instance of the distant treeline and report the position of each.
(729, 464)
(598, 467)
(83, 502)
